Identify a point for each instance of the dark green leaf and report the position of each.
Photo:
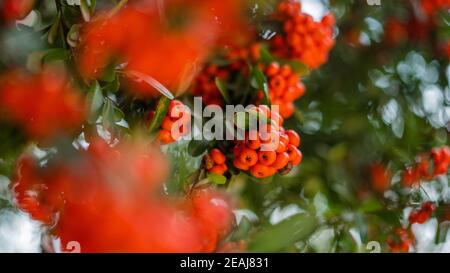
(223, 90)
(266, 57)
(108, 114)
(53, 32)
(241, 232)
(95, 99)
(197, 147)
(259, 81)
(109, 75)
(55, 54)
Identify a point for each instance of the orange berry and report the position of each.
(237, 150)
(285, 71)
(219, 169)
(272, 69)
(281, 147)
(277, 83)
(294, 138)
(292, 151)
(293, 79)
(267, 157)
(287, 109)
(261, 171)
(238, 164)
(167, 124)
(165, 137)
(248, 157)
(217, 156)
(298, 158)
(254, 144)
(284, 138)
(281, 161)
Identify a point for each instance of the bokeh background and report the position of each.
(381, 100)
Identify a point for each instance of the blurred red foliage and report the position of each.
(44, 104)
(431, 7)
(167, 42)
(16, 9)
(109, 200)
(381, 177)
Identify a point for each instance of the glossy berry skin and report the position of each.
(215, 162)
(266, 152)
(285, 87)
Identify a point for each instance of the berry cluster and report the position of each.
(16, 9)
(205, 84)
(215, 162)
(236, 59)
(284, 88)
(176, 123)
(402, 240)
(423, 214)
(280, 153)
(404, 237)
(303, 38)
(424, 169)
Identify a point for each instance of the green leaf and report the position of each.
(259, 81)
(85, 10)
(184, 168)
(197, 147)
(284, 234)
(241, 232)
(223, 90)
(55, 54)
(53, 32)
(109, 75)
(217, 178)
(299, 68)
(160, 114)
(108, 114)
(93, 4)
(266, 57)
(118, 114)
(96, 100)
(113, 86)
(73, 35)
(370, 205)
